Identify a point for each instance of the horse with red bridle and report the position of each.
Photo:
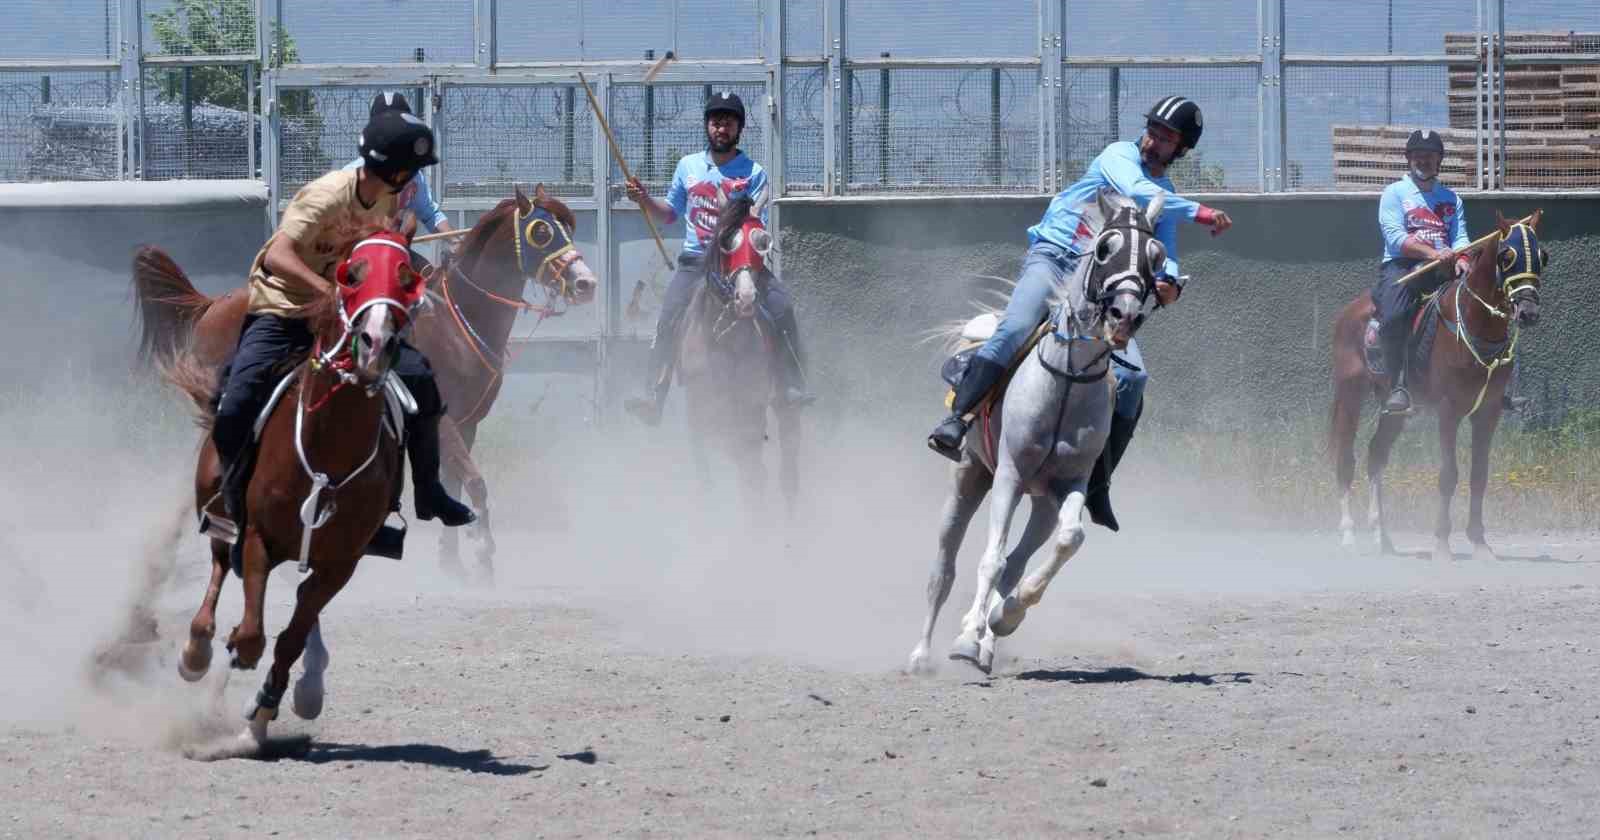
(329, 456)
(727, 357)
(477, 295)
(1460, 359)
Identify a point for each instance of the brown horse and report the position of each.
(329, 456)
(725, 361)
(477, 297)
(1463, 375)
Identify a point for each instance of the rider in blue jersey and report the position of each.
(1421, 220)
(1133, 168)
(701, 184)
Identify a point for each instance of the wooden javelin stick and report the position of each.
(1471, 246)
(623, 165)
(429, 237)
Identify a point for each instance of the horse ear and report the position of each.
(539, 195)
(1533, 223)
(1152, 213)
(1102, 197)
(1501, 223)
(522, 199)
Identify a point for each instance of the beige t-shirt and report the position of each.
(324, 217)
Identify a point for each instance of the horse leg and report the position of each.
(972, 482)
(309, 690)
(1383, 438)
(1043, 514)
(196, 657)
(1342, 442)
(456, 448)
(314, 593)
(789, 457)
(1008, 614)
(1006, 494)
(1449, 423)
(248, 641)
(1483, 426)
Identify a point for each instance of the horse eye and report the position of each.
(1109, 244)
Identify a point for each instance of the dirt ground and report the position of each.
(1307, 692)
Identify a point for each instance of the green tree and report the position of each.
(1191, 173)
(216, 27)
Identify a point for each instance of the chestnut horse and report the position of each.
(478, 297)
(328, 458)
(1463, 375)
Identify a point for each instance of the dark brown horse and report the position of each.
(1463, 375)
(725, 361)
(476, 297)
(329, 456)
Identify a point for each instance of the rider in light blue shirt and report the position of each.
(701, 184)
(1133, 168)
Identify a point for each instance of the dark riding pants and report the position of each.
(1396, 305)
(265, 343)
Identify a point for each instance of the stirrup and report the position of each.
(1408, 410)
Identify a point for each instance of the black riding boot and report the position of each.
(791, 364)
(1394, 359)
(976, 383)
(647, 407)
(432, 501)
(1098, 501)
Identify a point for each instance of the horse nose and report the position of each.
(583, 280)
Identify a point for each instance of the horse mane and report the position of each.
(1092, 218)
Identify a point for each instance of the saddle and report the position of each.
(973, 335)
(1424, 329)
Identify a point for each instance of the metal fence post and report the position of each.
(131, 42)
(484, 24)
(772, 56)
(832, 133)
(1273, 151)
(1051, 17)
(1497, 64)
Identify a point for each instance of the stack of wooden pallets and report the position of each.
(1551, 128)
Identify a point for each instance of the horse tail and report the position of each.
(195, 379)
(169, 306)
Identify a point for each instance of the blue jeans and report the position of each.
(1045, 266)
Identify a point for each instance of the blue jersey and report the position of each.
(1435, 217)
(1120, 168)
(416, 197)
(699, 187)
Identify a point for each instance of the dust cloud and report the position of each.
(101, 567)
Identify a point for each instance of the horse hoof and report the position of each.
(1482, 553)
(969, 651)
(921, 664)
(194, 661)
(986, 654)
(1006, 616)
(256, 731)
(308, 696)
(1348, 539)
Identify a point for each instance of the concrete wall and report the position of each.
(66, 250)
(1248, 341)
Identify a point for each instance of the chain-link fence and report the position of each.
(854, 97)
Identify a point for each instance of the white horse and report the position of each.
(1042, 434)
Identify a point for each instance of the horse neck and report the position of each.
(493, 269)
(1484, 286)
(340, 422)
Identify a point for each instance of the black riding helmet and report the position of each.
(394, 139)
(1180, 115)
(1423, 140)
(728, 101)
